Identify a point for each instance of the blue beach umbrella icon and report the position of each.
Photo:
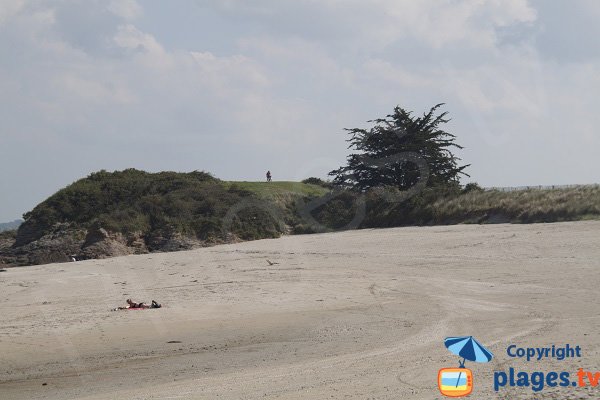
(469, 349)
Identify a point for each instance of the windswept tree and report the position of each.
(402, 151)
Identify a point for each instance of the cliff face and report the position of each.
(65, 242)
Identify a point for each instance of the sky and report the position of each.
(237, 87)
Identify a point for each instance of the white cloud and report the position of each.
(88, 90)
(227, 73)
(398, 76)
(379, 23)
(441, 23)
(126, 9)
(9, 8)
(129, 37)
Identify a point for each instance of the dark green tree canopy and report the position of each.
(401, 150)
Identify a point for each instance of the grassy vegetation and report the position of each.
(279, 189)
(523, 206)
(198, 205)
(448, 205)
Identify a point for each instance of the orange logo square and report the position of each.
(455, 382)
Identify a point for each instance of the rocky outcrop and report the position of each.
(59, 245)
(170, 240)
(99, 243)
(63, 243)
(137, 243)
(6, 257)
(28, 232)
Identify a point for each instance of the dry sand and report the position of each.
(351, 315)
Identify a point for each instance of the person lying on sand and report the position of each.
(134, 305)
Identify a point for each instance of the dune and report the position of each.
(350, 315)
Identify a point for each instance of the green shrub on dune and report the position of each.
(191, 204)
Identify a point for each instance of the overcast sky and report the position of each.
(236, 87)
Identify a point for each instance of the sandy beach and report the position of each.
(350, 315)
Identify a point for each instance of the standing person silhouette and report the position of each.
(268, 176)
